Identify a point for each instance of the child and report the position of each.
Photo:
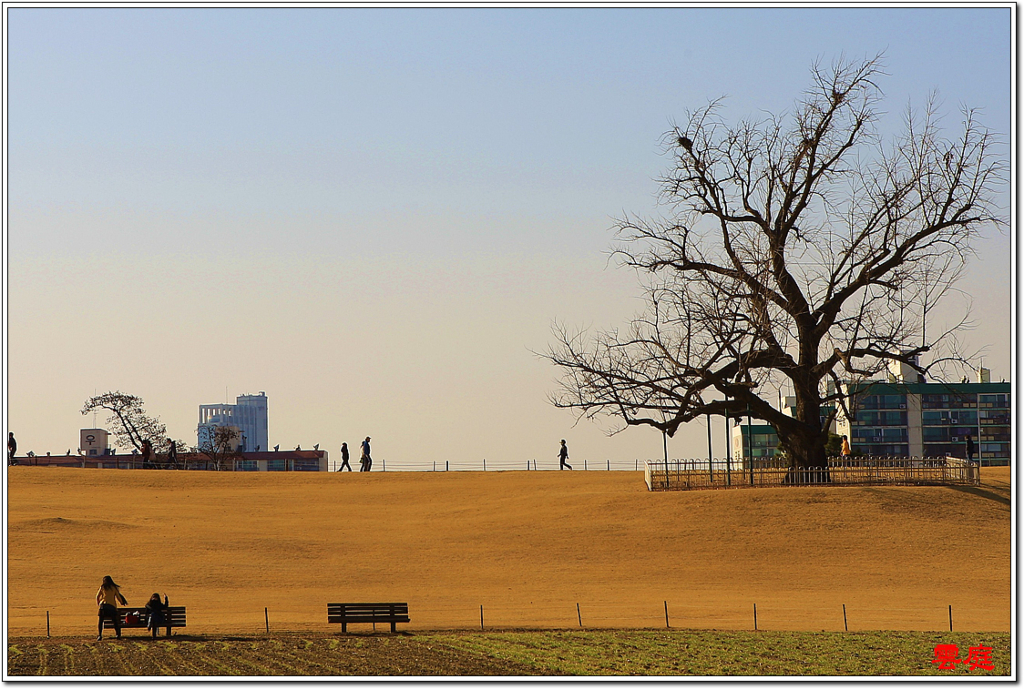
(156, 613)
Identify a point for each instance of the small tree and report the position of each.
(799, 250)
(222, 445)
(128, 421)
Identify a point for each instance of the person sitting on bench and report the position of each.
(156, 610)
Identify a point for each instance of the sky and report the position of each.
(375, 215)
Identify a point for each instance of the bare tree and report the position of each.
(800, 249)
(128, 421)
(221, 446)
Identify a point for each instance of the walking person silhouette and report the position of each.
(365, 460)
(344, 458)
(563, 454)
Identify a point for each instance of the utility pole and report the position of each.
(711, 467)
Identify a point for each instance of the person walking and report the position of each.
(365, 459)
(846, 447)
(12, 448)
(172, 455)
(147, 454)
(970, 448)
(563, 454)
(344, 458)
(107, 598)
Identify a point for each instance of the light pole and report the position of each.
(728, 447)
(750, 446)
(711, 468)
(664, 439)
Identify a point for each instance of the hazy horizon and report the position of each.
(375, 215)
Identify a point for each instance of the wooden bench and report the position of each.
(346, 613)
(135, 618)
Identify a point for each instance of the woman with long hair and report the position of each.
(107, 598)
(157, 610)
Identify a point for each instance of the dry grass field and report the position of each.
(527, 546)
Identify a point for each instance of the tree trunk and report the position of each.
(808, 464)
(808, 460)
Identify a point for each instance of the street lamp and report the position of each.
(711, 468)
(728, 446)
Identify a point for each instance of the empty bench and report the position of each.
(135, 618)
(347, 613)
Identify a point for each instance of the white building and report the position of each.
(249, 414)
(93, 442)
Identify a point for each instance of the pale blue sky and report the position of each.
(414, 195)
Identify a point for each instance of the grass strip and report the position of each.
(719, 653)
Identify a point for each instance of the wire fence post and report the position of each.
(609, 465)
(446, 465)
(266, 619)
(481, 618)
(535, 465)
(846, 627)
(384, 464)
(950, 618)
(485, 465)
(579, 617)
(667, 626)
(47, 624)
(584, 465)
(755, 617)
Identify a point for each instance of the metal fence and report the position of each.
(383, 464)
(646, 612)
(841, 471)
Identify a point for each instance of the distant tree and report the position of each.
(834, 445)
(128, 422)
(798, 250)
(221, 447)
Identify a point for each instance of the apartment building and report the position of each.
(907, 417)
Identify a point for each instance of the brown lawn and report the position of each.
(527, 546)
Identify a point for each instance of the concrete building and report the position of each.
(93, 442)
(757, 441)
(249, 414)
(902, 415)
(907, 417)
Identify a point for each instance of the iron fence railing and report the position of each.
(841, 471)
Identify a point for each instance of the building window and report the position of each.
(994, 401)
(881, 418)
(882, 402)
(885, 450)
(955, 400)
(992, 418)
